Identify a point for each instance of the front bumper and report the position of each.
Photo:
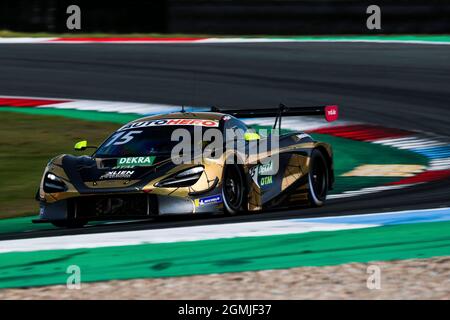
(127, 206)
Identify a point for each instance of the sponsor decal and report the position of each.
(208, 200)
(131, 162)
(262, 170)
(331, 113)
(265, 169)
(122, 174)
(266, 180)
(171, 122)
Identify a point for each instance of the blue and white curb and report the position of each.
(430, 146)
(388, 218)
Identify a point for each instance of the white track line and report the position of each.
(169, 235)
(111, 106)
(25, 40)
(225, 231)
(268, 40)
(220, 41)
(410, 142)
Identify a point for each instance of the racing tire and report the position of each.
(233, 190)
(69, 224)
(317, 179)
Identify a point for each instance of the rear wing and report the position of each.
(330, 112)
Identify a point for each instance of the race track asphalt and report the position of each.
(396, 85)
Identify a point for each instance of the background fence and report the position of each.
(228, 16)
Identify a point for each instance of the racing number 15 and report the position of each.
(120, 138)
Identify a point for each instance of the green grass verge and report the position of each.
(424, 240)
(23, 224)
(27, 143)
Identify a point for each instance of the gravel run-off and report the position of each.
(402, 279)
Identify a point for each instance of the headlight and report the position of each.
(184, 178)
(52, 184)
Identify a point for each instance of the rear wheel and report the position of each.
(317, 179)
(233, 190)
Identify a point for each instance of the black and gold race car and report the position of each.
(135, 173)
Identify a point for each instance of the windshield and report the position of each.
(144, 141)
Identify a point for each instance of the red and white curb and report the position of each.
(87, 105)
(430, 146)
(306, 123)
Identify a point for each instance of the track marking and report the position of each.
(119, 107)
(364, 191)
(390, 218)
(385, 170)
(225, 231)
(410, 142)
(169, 235)
(424, 144)
(440, 164)
(427, 176)
(200, 41)
(24, 40)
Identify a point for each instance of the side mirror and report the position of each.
(81, 145)
(250, 136)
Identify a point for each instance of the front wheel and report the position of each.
(233, 190)
(317, 179)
